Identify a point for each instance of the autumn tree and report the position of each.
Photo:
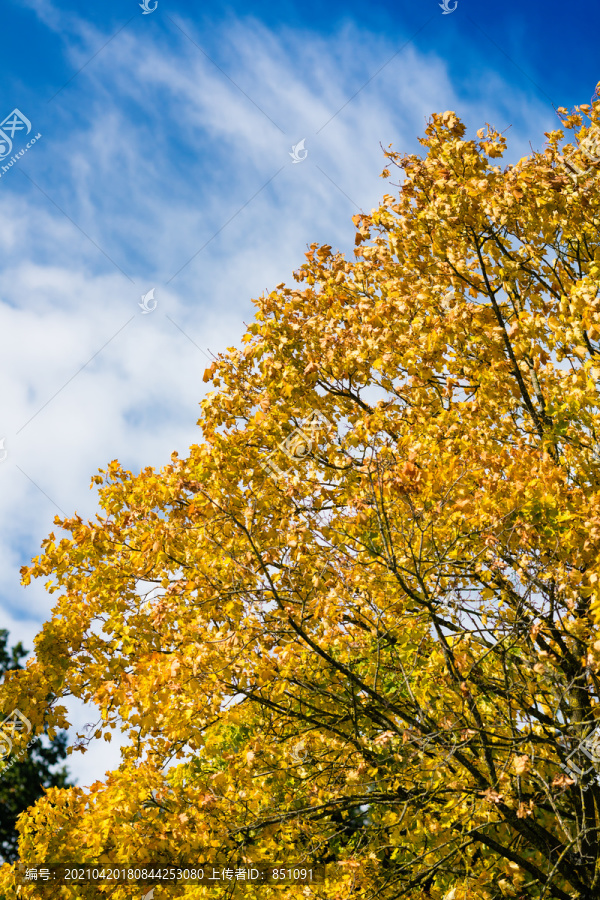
(359, 623)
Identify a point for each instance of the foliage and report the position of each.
(382, 656)
(25, 781)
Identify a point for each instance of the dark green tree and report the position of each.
(24, 782)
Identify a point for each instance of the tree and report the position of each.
(23, 782)
(359, 622)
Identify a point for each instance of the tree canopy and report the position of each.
(359, 623)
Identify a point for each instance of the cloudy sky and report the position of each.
(164, 164)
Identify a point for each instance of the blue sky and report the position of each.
(164, 163)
